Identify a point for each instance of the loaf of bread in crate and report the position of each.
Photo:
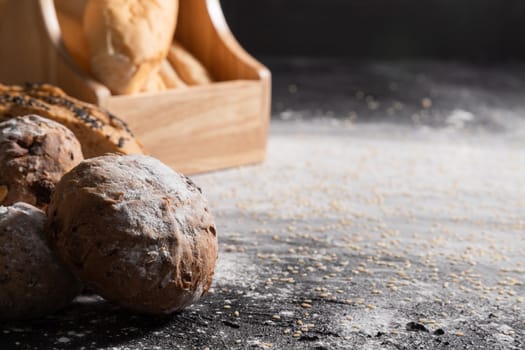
(127, 40)
(35, 153)
(98, 131)
(170, 77)
(154, 84)
(191, 71)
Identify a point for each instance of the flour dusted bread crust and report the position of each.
(32, 281)
(98, 131)
(34, 154)
(128, 39)
(134, 231)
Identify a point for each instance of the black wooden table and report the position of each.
(390, 214)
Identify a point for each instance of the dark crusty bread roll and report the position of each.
(34, 154)
(134, 231)
(32, 281)
(98, 131)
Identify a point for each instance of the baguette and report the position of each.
(170, 77)
(127, 40)
(187, 66)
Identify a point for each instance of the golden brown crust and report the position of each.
(34, 155)
(134, 231)
(170, 77)
(154, 83)
(191, 71)
(32, 281)
(98, 131)
(127, 40)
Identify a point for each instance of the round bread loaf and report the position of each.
(98, 131)
(32, 281)
(128, 39)
(34, 154)
(136, 232)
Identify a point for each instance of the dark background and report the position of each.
(472, 30)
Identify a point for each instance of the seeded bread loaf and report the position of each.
(135, 232)
(34, 155)
(98, 131)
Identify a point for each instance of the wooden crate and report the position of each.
(197, 129)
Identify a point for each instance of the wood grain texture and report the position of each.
(196, 129)
(74, 39)
(203, 30)
(194, 137)
(35, 52)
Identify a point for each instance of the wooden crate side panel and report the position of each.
(224, 127)
(201, 28)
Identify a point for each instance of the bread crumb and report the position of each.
(63, 340)
(426, 103)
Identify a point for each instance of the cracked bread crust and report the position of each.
(98, 131)
(134, 231)
(34, 154)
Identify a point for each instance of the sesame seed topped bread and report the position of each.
(98, 131)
